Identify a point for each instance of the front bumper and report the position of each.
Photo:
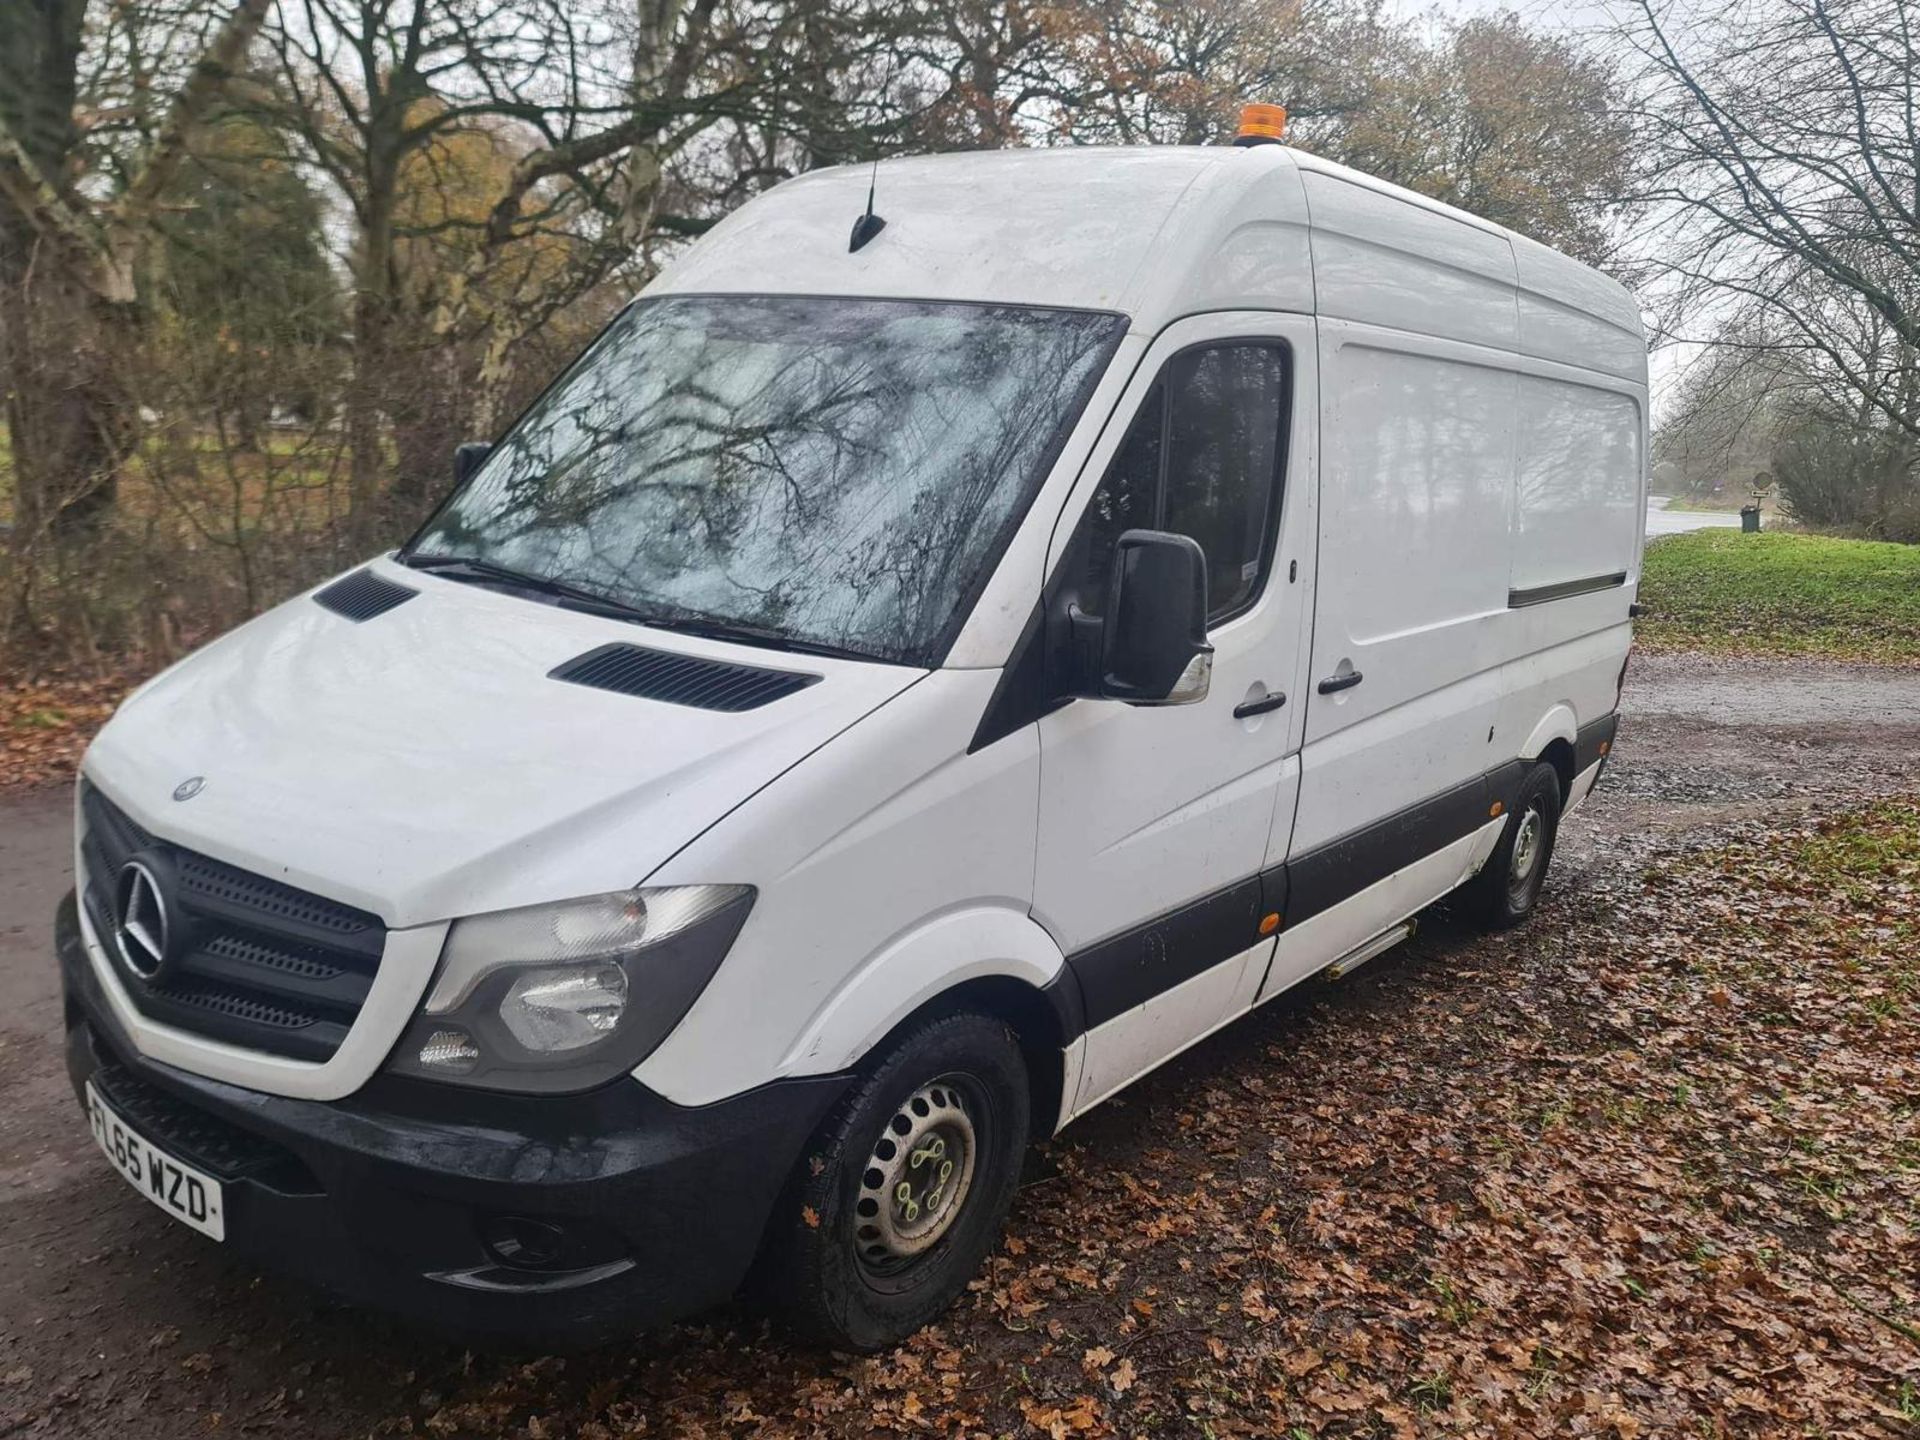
(561, 1218)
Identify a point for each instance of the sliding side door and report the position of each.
(1404, 697)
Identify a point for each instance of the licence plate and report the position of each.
(191, 1196)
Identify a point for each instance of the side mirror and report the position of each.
(1153, 637)
(468, 458)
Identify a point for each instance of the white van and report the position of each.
(878, 703)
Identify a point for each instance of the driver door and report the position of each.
(1155, 820)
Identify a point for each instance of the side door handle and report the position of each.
(1247, 708)
(1335, 683)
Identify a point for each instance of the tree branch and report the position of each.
(210, 74)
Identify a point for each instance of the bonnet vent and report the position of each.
(363, 595)
(680, 679)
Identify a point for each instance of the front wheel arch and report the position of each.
(1040, 1020)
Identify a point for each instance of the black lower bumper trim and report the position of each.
(1593, 742)
(556, 1218)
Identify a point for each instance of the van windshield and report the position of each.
(833, 472)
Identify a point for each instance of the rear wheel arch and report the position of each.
(1505, 892)
(1559, 754)
(1552, 740)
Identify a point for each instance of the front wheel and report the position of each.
(904, 1190)
(1507, 888)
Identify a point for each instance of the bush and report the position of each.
(205, 532)
(1840, 474)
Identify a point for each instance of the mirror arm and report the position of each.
(1073, 639)
(468, 458)
(1085, 635)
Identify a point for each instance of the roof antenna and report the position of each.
(869, 224)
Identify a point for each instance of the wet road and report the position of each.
(1662, 521)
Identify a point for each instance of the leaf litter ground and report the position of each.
(1645, 1168)
(1652, 1170)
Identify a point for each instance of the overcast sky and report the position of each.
(1572, 13)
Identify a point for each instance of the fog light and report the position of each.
(523, 1243)
(449, 1052)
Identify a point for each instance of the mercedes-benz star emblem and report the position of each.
(141, 932)
(190, 787)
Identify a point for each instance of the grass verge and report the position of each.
(1781, 594)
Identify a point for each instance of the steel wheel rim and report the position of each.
(1528, 843)
(917, 1177)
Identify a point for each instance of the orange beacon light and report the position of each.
(1261, 124)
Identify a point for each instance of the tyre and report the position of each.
(1507, 888)
(905, 1188)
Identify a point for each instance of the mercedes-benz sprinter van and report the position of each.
(883, 699)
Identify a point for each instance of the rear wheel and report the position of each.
(905, 1189)
(1507, 888)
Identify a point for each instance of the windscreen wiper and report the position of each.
(741, 632)
(486, 572)
(573, 597)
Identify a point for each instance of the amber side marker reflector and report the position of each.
(1269, 924)
(1605, 746)
(1498, 810)
(1261, 124)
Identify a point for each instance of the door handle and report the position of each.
(1335, 683)
(1247, 708)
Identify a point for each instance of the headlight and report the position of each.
(557, 1010)
(568, 996)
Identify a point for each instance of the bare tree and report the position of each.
(587, 108)
(456, 192)
(1522, 127)
(73, 236)
(1786, 144)
(1721, 425)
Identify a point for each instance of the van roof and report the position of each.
(1164, 231)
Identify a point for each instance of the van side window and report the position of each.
(1128, 499)
(1201, 459)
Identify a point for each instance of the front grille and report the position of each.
(260, 964)
(204, 1141)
